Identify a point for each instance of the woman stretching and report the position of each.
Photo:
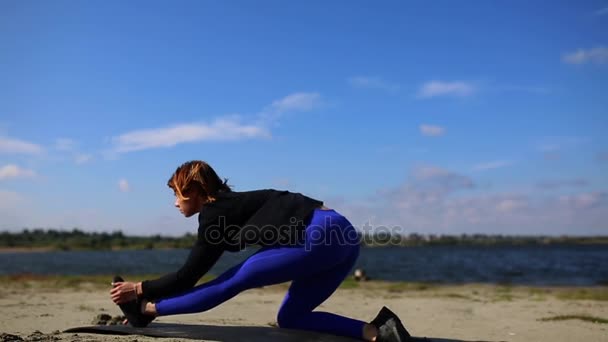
(301, 241)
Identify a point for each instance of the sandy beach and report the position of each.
(39, 310)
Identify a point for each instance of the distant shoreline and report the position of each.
(45, 249)
(40, 240)
(26, 249)
(5, 250)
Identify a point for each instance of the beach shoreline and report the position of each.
(466, 312)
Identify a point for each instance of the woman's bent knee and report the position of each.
(287, 320)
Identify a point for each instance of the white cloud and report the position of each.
(510, 205)
(373, 83)
(228, 128)
(598, 55)
(123, 185)
(70, 147)
(14, 171)
(81, 158)
(431, 131)
(441, 88)
(296, 102)
(584, 200)
(15, 146)
(65, 144)
(441, 209)
(492, 165)
(222, 129)
(436, 179)
(434, 200)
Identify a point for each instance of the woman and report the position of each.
(301, 241)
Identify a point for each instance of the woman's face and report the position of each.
(190, 206)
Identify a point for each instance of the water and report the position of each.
(574, 265)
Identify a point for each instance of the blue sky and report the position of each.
(437, 117)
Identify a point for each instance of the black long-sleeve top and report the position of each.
(232, 222)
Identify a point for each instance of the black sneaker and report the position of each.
(390, 328)
(132, 310)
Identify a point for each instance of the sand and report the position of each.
(35, 312)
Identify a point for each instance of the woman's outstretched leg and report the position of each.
(266, 267)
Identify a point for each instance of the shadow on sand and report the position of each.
(222, 333)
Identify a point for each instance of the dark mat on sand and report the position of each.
(211, 332)
(221, 333)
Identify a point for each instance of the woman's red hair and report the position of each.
(199, 176)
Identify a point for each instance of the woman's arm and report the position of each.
(202, 257)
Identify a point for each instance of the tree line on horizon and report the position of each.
(80, 240)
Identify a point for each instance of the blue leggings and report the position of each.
(316, 268)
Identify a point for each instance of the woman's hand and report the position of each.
(123, 292)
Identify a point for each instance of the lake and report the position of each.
(575, 265)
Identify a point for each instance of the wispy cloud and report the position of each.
(373, 83)
(297, 102)
(431, 131)
(228, 128)
(584, 200)
(441, 88)
(123, 185)
(437, 201)
(82, 158)
(597, 55)
(16, 146)
(555, 184)
(70, 147)
(14, 171)
(511, 205)
(65, 144)
(222, 129)
(492, 165)
(433, 178)
(556, 143)
(602, 156)
(550, 150)
(532, 89)
(602, 11)
(553, 147)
